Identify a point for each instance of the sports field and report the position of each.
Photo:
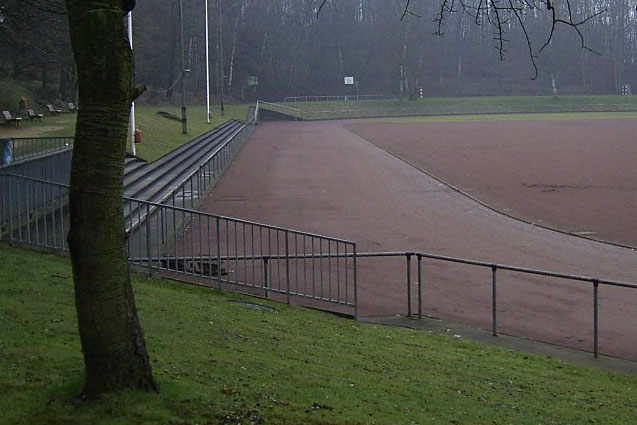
(575, 175)
(321, 177)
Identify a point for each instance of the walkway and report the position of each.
(319, 177)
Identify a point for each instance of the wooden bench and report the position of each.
(53, 110)
(8, 118)
(33, 115)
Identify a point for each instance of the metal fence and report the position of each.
(194, 187)
(277, 263)
(339, 98)
(282, 109)
(224, 252)
(394, 108)
(24, 148)
(33, 211)
(414, 285)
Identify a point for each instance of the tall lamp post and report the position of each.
(221, 56)
(132, 106)
(207, 71)
(184, 71)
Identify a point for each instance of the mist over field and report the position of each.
(277, 48)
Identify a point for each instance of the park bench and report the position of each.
(72, 107)
(32, 115)
(8, 118)
(53, 110)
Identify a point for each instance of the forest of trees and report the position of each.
(294, 50)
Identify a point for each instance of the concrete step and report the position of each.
(162, 176)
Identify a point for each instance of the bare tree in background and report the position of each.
(507, 16)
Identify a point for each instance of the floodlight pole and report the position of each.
(207, 71)
(131, 119)
(184, 129)
(221, 56)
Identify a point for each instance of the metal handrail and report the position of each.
(240, 221)
(494, 269)
(206, 160)
(28, 148)
(297, 112)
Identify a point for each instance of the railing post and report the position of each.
(419, 257)
(287, 268)
(266, 277)
(595, 318)
(148, 244)
(494, 307)
(408, 255)
(355, 286)
(218, 225)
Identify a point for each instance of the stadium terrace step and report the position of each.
(154, 181)
(132, 163)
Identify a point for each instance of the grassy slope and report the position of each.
(219, 362)
(160, 135)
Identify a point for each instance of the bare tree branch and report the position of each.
(501, 14)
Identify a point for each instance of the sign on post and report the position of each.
(349, 81)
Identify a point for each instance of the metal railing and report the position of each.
(208, 249)
(264, 260)
(494, 268)
(24, 148)
(346, 110)
(194, 187)
(334, 98)
(293, 112)
(33, 211)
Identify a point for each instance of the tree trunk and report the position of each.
(114, 351)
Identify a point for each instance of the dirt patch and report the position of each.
(39, 131)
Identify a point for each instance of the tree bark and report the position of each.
(115, 356)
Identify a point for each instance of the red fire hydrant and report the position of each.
(138, 135)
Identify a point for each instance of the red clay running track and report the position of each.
(319, 177)
(574, 175)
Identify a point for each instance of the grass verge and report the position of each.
(219, 362)
(465, 106)
(514, 117)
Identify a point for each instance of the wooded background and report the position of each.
(294, 50)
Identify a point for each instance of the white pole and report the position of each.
(207, 71)
(132, 107)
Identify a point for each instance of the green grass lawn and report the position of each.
(465, 105)
(514, 117)
(219, 362)
(160, 135)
